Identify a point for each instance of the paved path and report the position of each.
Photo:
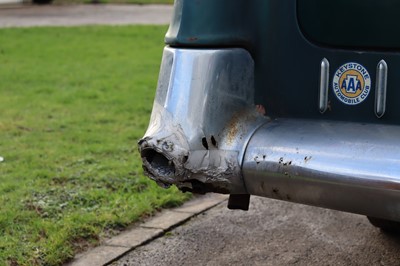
(270, 233)
(53, 15)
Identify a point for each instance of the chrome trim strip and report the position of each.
(380, 88)
(324, 86)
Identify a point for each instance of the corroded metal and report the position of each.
(203, 116)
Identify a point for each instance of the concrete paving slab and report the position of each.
(99, 256)
(134, 237)
(202, 204)
(167, 219)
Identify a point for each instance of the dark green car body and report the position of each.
(288, 40)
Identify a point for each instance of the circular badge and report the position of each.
(351, 83)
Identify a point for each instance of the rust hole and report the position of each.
(214, 142)
(158, 164)
(204, 142)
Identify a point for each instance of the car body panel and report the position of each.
(287, 63)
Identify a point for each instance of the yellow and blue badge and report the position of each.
(351, 83)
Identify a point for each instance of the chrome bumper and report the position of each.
(345, 166)
(205, 134)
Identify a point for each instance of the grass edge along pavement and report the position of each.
(157, 226)
(74, 102)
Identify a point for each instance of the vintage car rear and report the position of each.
(294, 100)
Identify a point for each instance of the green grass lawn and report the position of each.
(73, 103)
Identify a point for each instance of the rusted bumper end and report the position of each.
(203, 116)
